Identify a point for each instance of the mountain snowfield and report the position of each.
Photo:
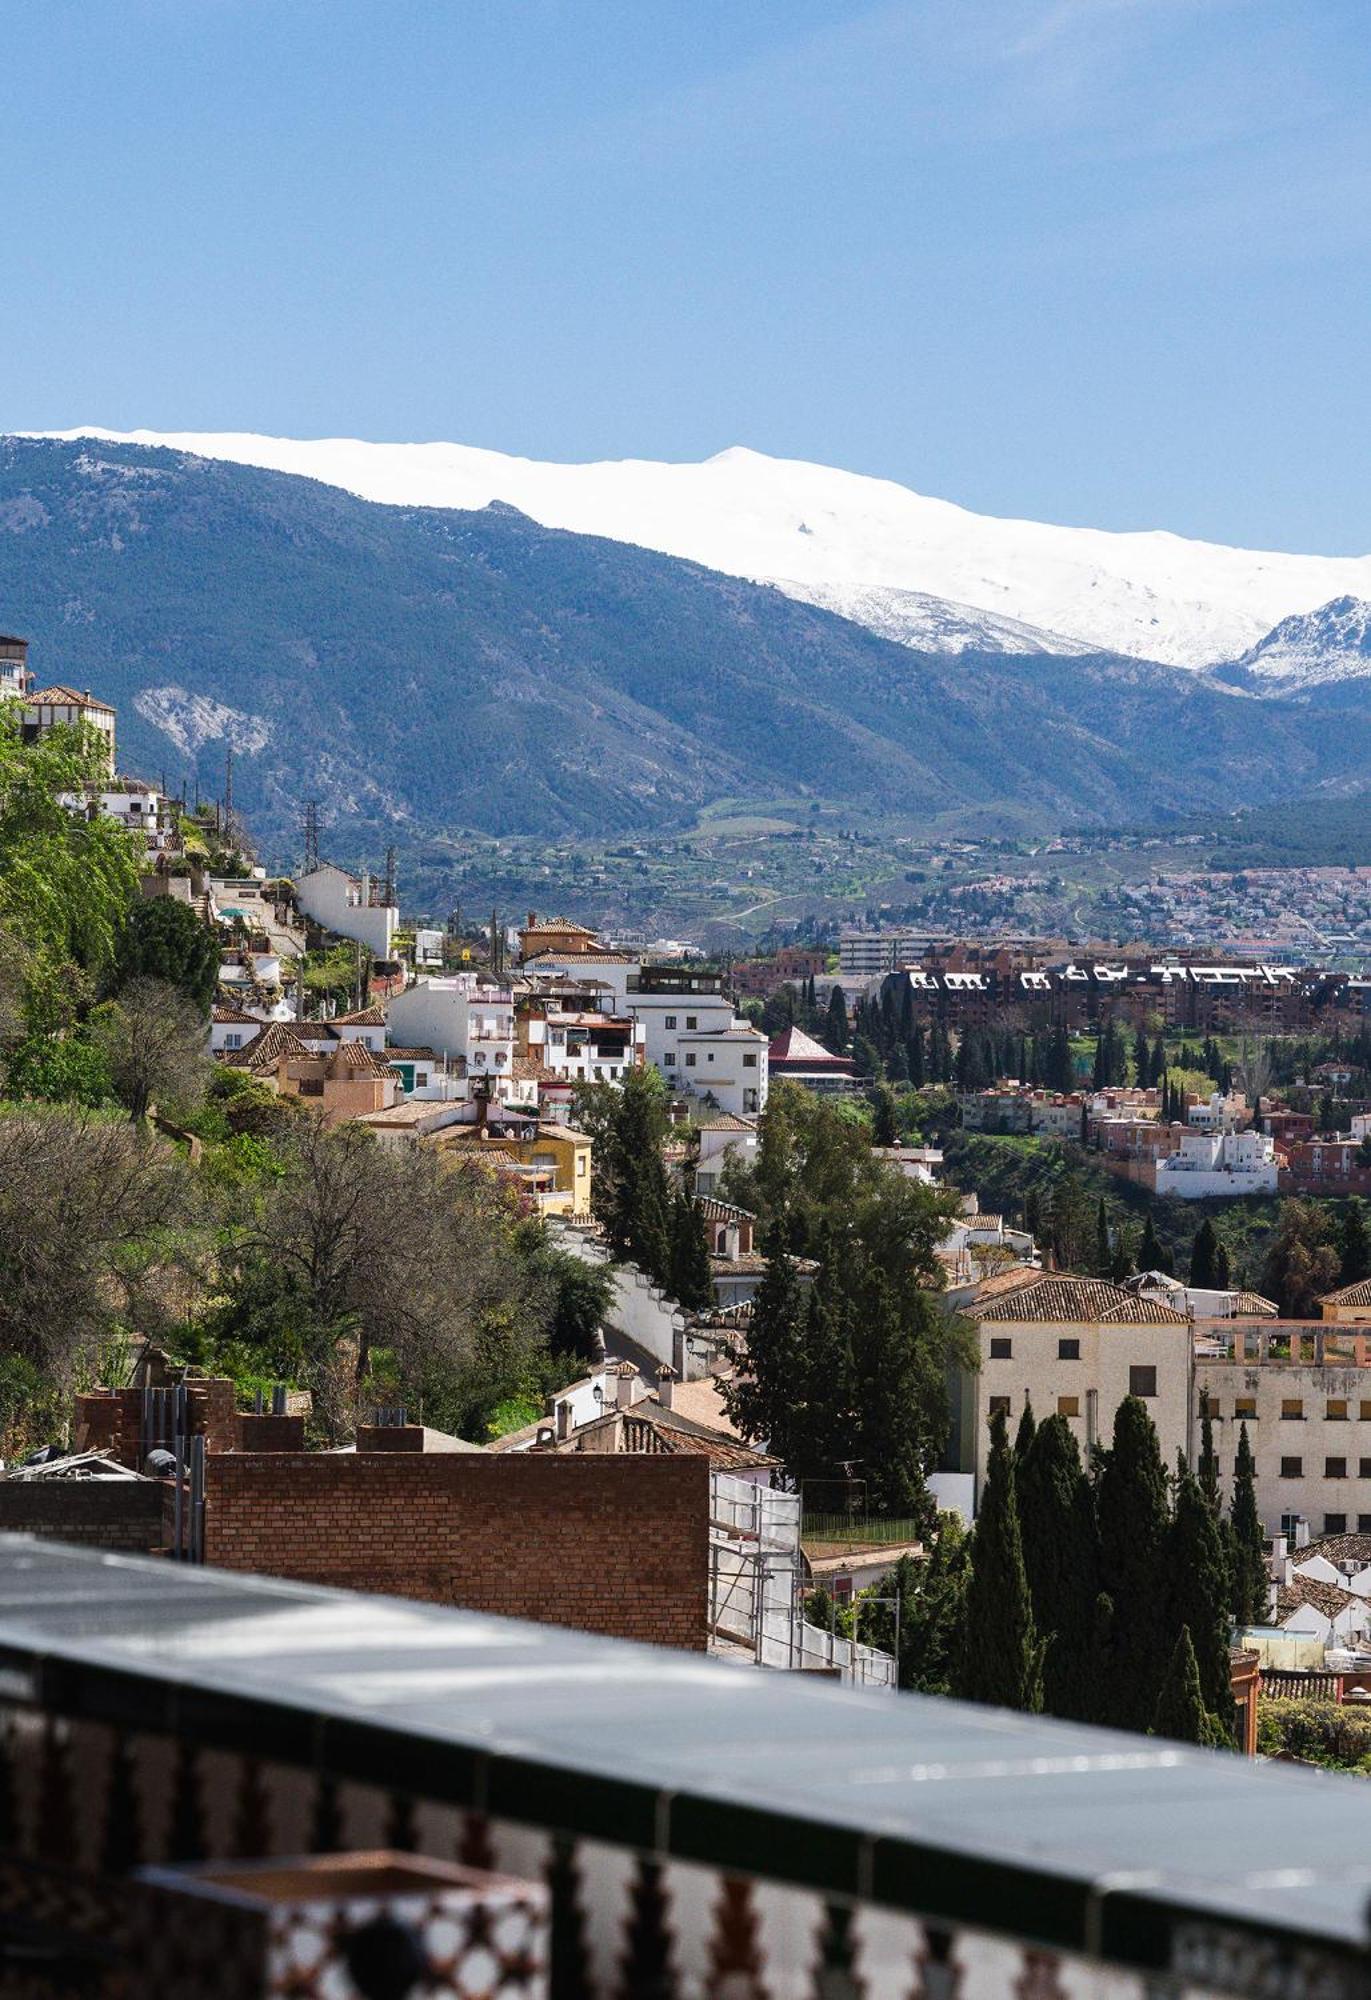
(906, 566)
(1315, 648)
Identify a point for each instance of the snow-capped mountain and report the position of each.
(1313, 648)
(856, 544)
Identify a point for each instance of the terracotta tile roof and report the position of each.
(364, 1017)
(354, 1058)
(724, 1211)
(233, 1017)
(730, 1122)
(530, 1070)
(1251, 1305)
(394, 1054)
(1325, 1597)
(266, 1049)
(1053, 1297)
(64, 697)
(1336, 1549)
(1350, 1295)
(581, 958)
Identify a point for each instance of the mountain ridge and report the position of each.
(803, 527)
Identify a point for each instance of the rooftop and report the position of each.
(1350, 1295)
(1076, 1839)
(1053, 1297)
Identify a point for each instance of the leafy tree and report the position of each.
(761, 1397)
(1302, 1262)
(1180, 1713)
(165, 940)
(1001, 1657)
(581, 1295)
(931, 1597)
(1134, 1523)
(1204, 1257)
(1247, 1550)
(1200, 1582)
(61, 1069)
(153, 1042)
(1061, 1560)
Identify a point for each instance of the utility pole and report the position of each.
(390, 878)
(228, 791)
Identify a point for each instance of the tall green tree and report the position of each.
(1179, 1712)
(1302, 1262)
(1200, 1584)
(1134, 1518)
(692, 1282)
(1208, 1469)
(1355, 1246)
(1247, 1548)
(1204, 1257)
(761, 1399)
(931, 1598)
(632, 1187)
(885, 1130)
(1001, 1655)
(1023, 1436)
(1061, 1560)
(165, 939)
(1104, 1249)
(1151, 1255)
(835, 1030)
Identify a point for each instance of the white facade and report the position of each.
(338, 902)
(1219, 1163)
(726, 1065)
(460, 1019)
(719, 1142)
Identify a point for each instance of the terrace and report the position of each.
(703, 1828)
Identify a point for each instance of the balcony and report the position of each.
(725, 1828)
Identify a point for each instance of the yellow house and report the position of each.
(548, 1162)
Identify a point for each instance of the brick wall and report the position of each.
(614, 1545)
(125, 1514)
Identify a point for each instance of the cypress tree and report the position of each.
(691, 1280)
(1023, 1437)
(1200, 1584)
(1209, 1464)
(1001, 1659)
(914, 1055)
(1104, 1250)
(884, 1129)
(1142, 1059)
(1134, 1523)
(1151, 1256)
(1222, 1271)
(835, 1024)
(638, 1204)
(1204, 1257)
(1180, 1713)
(1248, 1552)
(1061, 1560)
(761, 1396)
(888, 1390)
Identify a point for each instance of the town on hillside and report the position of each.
(957, 1318)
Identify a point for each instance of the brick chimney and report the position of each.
(561, 1412)
(665, 1386)
(624, 1385)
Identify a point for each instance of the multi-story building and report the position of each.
(1075, 1348)
(14, 667)
(347, 905)
(458, 1017)
(1223, 1164)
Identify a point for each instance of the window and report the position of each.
(668, 1059)
(233, 1041)
(1001, 1348)
(1292, 1409)
(710, 1056)
(1292, 1468)
(692, 1021)
(311, 1086)
(1068, 1406)
(1243, 1407)
(1142, 1381)
(1364, 1524)
(1366, 1411)
(670, 1021)
(1363, 1470)
(690, 1062)
(1335, 1468)
(1335, 1524)
(1068, 1350)
(1336, 1409)
(749, 1062)
(999, 1405)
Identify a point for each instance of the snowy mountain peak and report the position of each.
(1332, 643)
(869, 548)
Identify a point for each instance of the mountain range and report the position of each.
(867, 548)
(423, 669)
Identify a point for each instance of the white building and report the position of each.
(342, 903)
(726, 1066)
(722, 1139)
(1218, 1163)
(459, 1018)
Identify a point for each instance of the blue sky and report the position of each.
(1096, 261)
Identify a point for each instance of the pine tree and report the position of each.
(1179, 1712)
(761, 1395)
(1061, 1560)
(1204, 1257)
(885, 1129)
(1200, 1586)
(1134, 1523)
(1151, 1256)
(1247, 1552)
(1001, 1659)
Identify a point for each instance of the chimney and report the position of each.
(665, 1386)
(562, 1414)
(624, 1386)
(532, 919)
